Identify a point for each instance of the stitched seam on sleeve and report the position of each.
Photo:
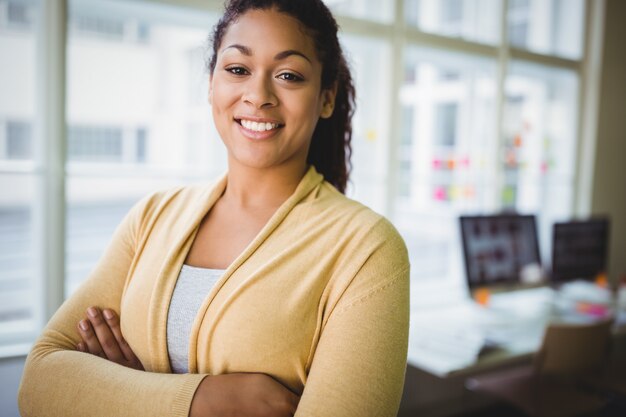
(374, 291)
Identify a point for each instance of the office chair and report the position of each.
(551, 386)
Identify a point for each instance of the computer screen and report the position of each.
(500, 250)
(579, 249)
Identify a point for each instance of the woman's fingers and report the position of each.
(114, 324)
(90, 342)
(104, 335)
(113, 321)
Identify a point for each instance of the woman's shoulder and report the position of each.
(329, 200)
(176, 200)
(370, 252)
(352, 218)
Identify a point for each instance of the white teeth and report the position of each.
(258, 127)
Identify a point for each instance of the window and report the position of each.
(449, 113)
(452, 12)
(141, 147)
(99, 26)
(128, 112)
(446, 124)
(376, 10)
(17, 269)
(475, 20)
(404, 152)
(463, 159)
(370, 60)
(17, 14)
(101, 144)
(19, 140)
(107, 144)
(20, 179)
(539, 144)
(552, 27)
(449, 120)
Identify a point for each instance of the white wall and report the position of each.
(609, 182)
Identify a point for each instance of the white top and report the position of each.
(192, 287)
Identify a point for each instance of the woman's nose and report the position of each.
(259, 92)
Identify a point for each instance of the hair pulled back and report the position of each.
(330, 148)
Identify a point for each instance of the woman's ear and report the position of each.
(328, 101)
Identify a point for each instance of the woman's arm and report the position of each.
(251, 395)
(359, 365)
(58, 380)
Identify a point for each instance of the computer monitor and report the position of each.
(579, 249)
(500, 250)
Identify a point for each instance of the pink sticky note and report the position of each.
(439, 194)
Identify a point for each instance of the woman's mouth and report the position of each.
(258, 126)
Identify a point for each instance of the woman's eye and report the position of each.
(237, 70)
(289, 76)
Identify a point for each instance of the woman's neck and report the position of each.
(252, 188)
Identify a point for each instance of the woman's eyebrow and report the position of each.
(279, 56)
(243, 49)
(289, 52)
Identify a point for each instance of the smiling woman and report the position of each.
(255, 83)
(268, 292)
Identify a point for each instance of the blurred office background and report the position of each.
(464, 106)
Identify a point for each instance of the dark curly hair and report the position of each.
(330, 148)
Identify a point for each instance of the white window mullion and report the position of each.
(502, 69)
(588, 107)
(395, 117)
(50, 205)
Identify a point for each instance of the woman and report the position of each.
(266, 293)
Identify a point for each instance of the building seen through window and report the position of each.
(474, 20)
(551, 27)
(17, 14)
(106, 144)
(17, 141)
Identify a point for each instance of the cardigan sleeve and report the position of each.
(58, 380)
(359, 365)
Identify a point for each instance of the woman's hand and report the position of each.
(102, 337)
(250, 395)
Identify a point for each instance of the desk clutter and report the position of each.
(467, 336)
(514, 300)
(536, 338)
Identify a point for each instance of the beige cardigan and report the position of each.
(319, 300)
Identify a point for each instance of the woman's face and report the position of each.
(265, 91)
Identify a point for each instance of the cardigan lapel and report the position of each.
(310, 181)
(172, 263)
(166, 279)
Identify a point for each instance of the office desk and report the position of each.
(465, 338)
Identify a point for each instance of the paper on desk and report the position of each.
(443, 349)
